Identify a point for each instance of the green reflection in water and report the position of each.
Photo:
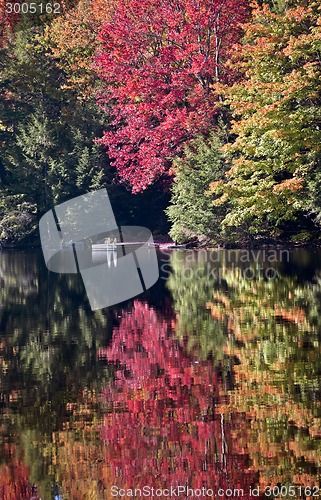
(50, 374)
(271, 324)
(191, 285)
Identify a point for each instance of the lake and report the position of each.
(206, 385)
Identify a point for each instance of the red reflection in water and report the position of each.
(14, 477)
(161, 427)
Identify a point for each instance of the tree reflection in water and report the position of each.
(203, 382)
(161, 425)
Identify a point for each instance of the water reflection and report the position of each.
(48, 363)
(161, 426)
(211, 379)
(273, 335)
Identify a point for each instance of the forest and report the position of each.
(201, 117)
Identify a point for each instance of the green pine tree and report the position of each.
(191, 211)
(49, 154)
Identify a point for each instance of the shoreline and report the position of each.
(166, 243)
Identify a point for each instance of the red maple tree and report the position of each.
(161, 61)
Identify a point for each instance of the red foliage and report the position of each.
(160, 60)
(161, 428)
(14, 476)
(7, 21)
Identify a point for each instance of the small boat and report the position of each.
(178, 246)
(103, 247)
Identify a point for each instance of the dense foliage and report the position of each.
(274, 179)
(160, 62)
(214, 101)
(191, 210)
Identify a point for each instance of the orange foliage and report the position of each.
(14, 483)
(294, 315)
(291, 185)
(73, 40)
(83, 472)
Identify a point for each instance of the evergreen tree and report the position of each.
(191, 211)
(49, 153)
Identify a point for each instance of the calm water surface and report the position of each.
(210, 380)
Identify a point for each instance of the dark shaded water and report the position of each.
(207, 384)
